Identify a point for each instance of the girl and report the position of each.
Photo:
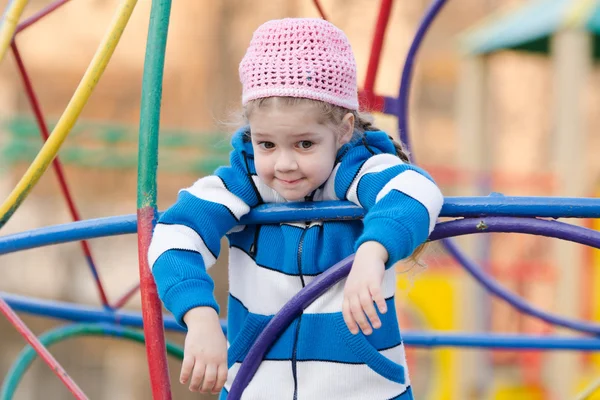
(304, 141)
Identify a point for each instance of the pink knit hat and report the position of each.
(300, 57)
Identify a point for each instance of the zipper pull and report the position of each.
(254, 244)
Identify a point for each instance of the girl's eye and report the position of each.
(305, 144)
(267, 145)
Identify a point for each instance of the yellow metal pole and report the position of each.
(8, 24)
(71, 113)
(579, 14)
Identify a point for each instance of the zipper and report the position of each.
(295, 348)
(254, 246)
(300, 248)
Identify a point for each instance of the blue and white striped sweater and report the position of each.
(316, 357)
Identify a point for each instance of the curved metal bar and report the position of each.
(443, 230)
(27, 355)
(517, 302)
(554, 229)
(405, 80)
(58, 169)
(283, 319)
(71, 113)
(275, 213)
(531, 226)
(447, 229)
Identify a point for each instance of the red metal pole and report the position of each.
(58, 370)
(377, 45)
(37, 111)
(367, 96)
(125, 298)
(152, 311)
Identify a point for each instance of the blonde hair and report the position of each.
(329, 113)
(332, 114)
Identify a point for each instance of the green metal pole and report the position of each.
(146, 195)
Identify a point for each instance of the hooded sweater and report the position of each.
(316, 357)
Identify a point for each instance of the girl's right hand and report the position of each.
(205, 352)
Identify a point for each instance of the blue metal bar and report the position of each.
(304, 211)
(493, 205)
(547, 207)
(79, 313)
(70, 232)
(466, 226)
(498, 341)
(520, 206)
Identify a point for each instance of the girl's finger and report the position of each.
(221, 378)
(210, 378)
(359, 315)
(378, 298)
(197, 376)
(186, 368)
(369, 308)
(347, 314)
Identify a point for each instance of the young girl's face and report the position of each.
(294, 151)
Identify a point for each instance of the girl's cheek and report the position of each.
(262, 166)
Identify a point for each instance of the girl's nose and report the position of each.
(286, 162)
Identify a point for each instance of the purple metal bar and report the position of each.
(283, 319)
(403, 97)
(555, 229)
(306, 296)
(531, 226)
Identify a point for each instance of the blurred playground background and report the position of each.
(514, 152)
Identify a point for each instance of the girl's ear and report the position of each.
(346, 129)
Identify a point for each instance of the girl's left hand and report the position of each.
(363, 289)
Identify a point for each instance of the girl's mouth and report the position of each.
(289, 182)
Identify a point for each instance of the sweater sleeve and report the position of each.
(186, 239)
(402, 202)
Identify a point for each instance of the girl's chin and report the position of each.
(292, 197)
